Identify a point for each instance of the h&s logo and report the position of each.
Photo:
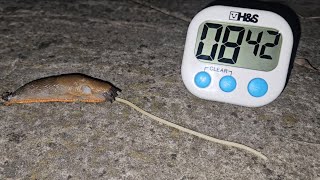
(247, 17)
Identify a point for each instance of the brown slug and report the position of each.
(63, 88)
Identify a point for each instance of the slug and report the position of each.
(83, 88)
(63, 88)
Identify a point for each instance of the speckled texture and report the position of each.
(140, 50)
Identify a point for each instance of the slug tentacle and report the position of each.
(63, 88)
(6, 96)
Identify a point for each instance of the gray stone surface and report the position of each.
(140, 50)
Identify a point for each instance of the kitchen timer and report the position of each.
(240, 52)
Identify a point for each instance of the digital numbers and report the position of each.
(218, 27)
(276, 41)
(228, 44)
(255, 43)
(232, 41)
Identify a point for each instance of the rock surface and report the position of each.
(138, 47)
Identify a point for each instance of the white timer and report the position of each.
(240, 53)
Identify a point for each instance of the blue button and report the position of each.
(202, 79)
(227, 83)
(257, 87)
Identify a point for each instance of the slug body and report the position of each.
(63, 88)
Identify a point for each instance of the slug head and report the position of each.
(111, 94)
(7, 96)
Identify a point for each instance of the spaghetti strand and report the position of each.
(189, 131)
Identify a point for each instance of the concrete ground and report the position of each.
(138, 47)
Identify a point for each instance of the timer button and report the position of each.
(202, 79)
(257, 87)
(227, 83)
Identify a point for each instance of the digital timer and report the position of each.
(240, 52)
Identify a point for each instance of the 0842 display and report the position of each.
(238, 45)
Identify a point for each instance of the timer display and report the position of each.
(240, 52)
(237, 45)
